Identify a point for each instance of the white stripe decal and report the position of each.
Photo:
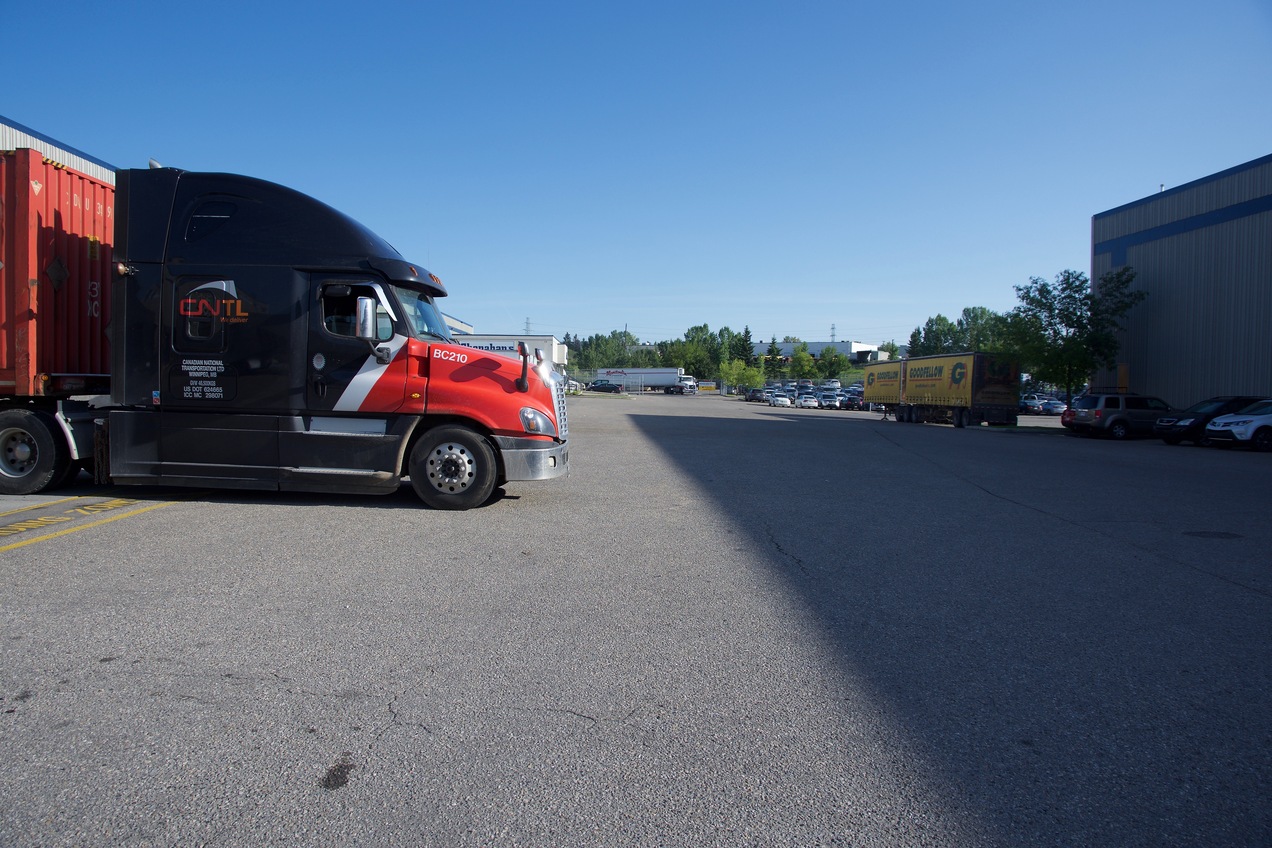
(364, 381)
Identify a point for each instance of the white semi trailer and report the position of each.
(670, 380)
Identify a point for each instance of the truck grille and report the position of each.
(558, 404)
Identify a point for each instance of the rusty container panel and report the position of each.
(56, 239)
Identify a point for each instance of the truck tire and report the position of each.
(1119, 430)
(1262, 439)
(453, 467)
(33, 455)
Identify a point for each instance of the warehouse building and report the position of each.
(1203, 253)
(858, 352)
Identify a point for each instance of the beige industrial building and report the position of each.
(1203, 253)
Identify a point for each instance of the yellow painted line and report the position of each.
(40, 505)
(79, 527)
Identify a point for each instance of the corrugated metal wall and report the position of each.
(14, 136)
(56, 237)
(1203, 252)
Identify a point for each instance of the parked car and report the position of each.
(808, 402)
(779, 400)
(1117, 414)
(1066, 418)
(828, 400)
(1030, 405)
(755, 395)
(1051, 406)
(681, 389)
(1251, 427)
(605, 386)
(1190, 425)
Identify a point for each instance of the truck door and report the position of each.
(225, 375)
(347, 374)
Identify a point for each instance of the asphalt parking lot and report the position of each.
(730, 625)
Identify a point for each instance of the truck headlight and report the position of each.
(537, 423)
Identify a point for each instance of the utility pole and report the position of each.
(832, 333)
(527, 325)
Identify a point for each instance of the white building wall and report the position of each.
(553, 350)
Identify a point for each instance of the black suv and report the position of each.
(1190, 425)
(1117, 414)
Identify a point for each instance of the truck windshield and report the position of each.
(422, 315)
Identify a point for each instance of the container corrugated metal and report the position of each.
(56, 241)
(14, 136)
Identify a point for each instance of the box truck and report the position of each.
(669, 380)
(216, 330)
(963, 389)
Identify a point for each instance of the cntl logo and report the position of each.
(218, 299)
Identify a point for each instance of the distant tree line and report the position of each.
(722, 355)
(1061, 332)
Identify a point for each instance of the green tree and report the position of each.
(1064, 331)
(938, 335)
(832, 363)
(891, 348)
(693, 356)
(774, 362)
(742, 347)
(645, 356)
(803, 366)
(981, 329)
(611, 351)
(738, 374)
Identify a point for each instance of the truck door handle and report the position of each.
(320, 387)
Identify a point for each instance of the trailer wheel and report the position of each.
(957, 416)
(33, 455)
(453, 468)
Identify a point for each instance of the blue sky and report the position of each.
(590, 166)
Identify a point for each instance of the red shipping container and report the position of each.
(56, 238)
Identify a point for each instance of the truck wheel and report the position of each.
(453, 468)
(33, 455)
(1119, 430)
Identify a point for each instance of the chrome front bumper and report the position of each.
(533, 459)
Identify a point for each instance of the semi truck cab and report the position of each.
(263, 340)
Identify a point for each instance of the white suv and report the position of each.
(1251, 426)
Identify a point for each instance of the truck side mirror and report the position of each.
(368, 329)
(523, 350)
(366, 319)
